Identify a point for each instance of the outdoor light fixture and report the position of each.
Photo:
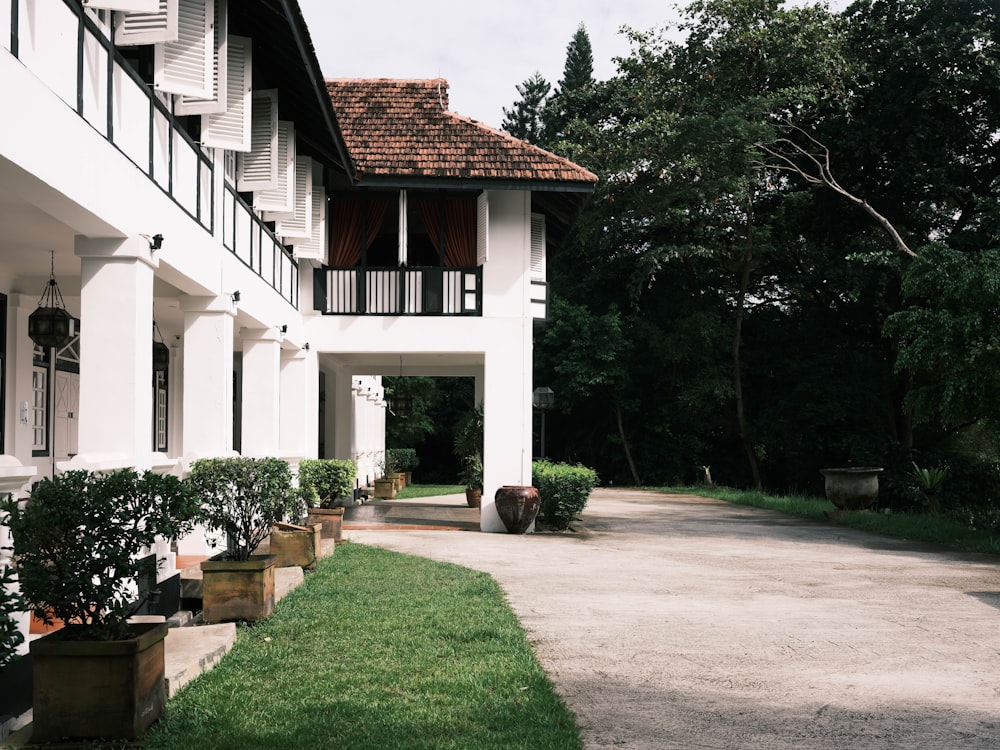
(161, 354)
(236, 296)
(155, 242)
(306, 346)
(542, 398)
(283, 329)
(50, 324)
(400, 402)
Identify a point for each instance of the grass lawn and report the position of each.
(376, 650)
(429, 490)
(935, 528)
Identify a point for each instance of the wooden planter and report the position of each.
(296, 547)
(331, 520)
(237, 589)
(90, 689)
(385, 488)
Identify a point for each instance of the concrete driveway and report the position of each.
(679, 622)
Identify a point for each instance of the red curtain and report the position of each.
(345, 228)
(459, 232)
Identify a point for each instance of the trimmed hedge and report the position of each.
(323, 481)
(564, 490)
(400, 459)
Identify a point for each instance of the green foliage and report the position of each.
(76, 542)
(244, 497)
(10, 602)
(930, 478)
(563, 489)
(524, 119)
(471, 473)
(324, 481)
(468, 447)
(402, 459)
(433, 658)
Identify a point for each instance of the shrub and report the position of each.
(76, 541)
(563, 489)
(244, 497)
(10, 602)
(403, 459)
(324, 481)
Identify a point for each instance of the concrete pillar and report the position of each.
(507, 423)
(207, 382)
(340, 430)
(299, 400)
(116, 359)
(261, 391)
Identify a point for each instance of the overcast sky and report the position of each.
(483, 49)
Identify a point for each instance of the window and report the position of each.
(412, 228)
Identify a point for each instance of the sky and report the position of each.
(483, 49)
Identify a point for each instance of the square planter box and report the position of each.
(297, 547)
(237, 589)
(331, 520)
(385, 488)
(89, 689)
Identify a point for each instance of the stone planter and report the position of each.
(237, 589)
(852, 488)
(399, 480)
(331, 520)
(385, 488)
(517, 507)
(296, 547)
(90, 689)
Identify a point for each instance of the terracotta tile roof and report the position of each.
(402, 128)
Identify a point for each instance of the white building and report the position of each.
(192, 183)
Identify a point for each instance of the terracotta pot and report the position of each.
(852, 488)
(297, 548)
(474, 496)
(90, 689)
(331, 519)
(517, 507)
(237, 589)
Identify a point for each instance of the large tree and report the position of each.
(524, 119)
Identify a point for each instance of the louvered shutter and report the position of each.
(257, 169)
(315, 248)
(145, 6)
(216, 101)
(185, 66)
(483, 228)
(298, 227)
(403, 253)
(537, 247)
(231, 129)
(157, 26)
(280, 200)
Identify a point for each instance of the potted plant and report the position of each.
(243, 497)
(929, 482)
(78, 547)
(327, 485)
(468, 447)
(393, 469)
(405, 460)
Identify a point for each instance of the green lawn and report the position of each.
(935, 528)
(429, 490)
(376, 650)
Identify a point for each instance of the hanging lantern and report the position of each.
(401, 405)
(50, 325)
(161, 354)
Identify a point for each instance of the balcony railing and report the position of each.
(69, 51)
(399, 291)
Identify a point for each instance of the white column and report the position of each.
(261, 391)
(340, 430)
(299, 402)
(507, 423)
(116, 359)
(207, 382)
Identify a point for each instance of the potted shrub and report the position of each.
(405, 460)
(78, 544)
(243, 497)
(326, 485)
(468, 447)
(393, 469)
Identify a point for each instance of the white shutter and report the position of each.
(185, 66)
(279, 201)
(403, 255)
(146, 6)
(157, 26)
(537, 247)
(231, 129)
(257, 169)
(216, 102)
(483, 228)
(316, 246)
(298, 227)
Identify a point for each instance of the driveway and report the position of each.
(671, 621)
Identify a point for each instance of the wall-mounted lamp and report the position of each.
(283, 329)
(236, 296)
(306, 346)
(155, 242)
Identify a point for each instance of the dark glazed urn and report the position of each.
(853, 488)
(517, 507)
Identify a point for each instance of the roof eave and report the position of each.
(466, 183)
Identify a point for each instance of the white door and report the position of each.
(67, 407)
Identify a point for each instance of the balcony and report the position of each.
(427, 291)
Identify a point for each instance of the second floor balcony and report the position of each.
(399, 291)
